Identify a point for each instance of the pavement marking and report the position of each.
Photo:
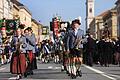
(12, 78)
(114, 75)
(2, 69)
(100, 72)
(50, 67)
(57, 67)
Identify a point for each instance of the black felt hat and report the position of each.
(21, 26)
(76, 21)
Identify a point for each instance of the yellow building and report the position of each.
(22, 12)
(118, 15)
(36, 27)
(15, 9)
(97, 25)
(25, 16)
(111, 20)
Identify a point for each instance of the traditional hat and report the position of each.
(21, 26)
(76, 21)
(29, 29)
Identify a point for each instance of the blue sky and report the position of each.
(44, 10)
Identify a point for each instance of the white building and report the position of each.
(1, 9)
(6, 9)
(89, 12)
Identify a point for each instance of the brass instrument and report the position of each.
(5, 40)
(18, 46)
(78, 42)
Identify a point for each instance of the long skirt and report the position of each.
(32, 61)
(18, 63)
(31, 56)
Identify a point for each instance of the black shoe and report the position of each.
(25, 74)
(28, 73)
(73, 76)
(65, 68)
(62, 70)
(31, 73)
(79, 73)
(20, 77)
(67, 72)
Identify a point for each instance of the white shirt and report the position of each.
(76, 31)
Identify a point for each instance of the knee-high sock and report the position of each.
(74, 69)
(69, 69)
(57, 58)
(78, 66)
(2, 61)
(67, 66)
(62, 67)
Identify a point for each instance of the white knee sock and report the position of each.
(69, 69)
(74, 70)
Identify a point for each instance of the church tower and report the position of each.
(89, 12)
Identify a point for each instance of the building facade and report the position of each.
(111, 20)
(37, 27)
(89, 12)
(118, 15)
(22, 13)
(97, 26)
(15, 9)
(25, 16)
(6, 9)
(1, 9)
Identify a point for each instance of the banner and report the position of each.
(12, 24)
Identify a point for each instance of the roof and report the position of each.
(17, 2)
(24, 7)
(21, 6)
(117, 2)
(36, 21)
(104, 13)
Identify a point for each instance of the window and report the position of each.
(90, 10)
(44, 31)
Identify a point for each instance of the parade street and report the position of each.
(53, 71)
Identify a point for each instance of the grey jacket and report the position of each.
(21, 40)
(31, 42)
(71, 38)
